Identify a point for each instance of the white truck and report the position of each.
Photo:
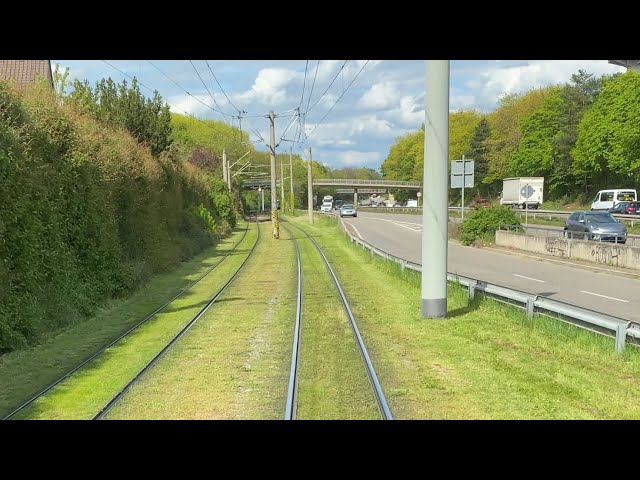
(522, 192)
(327, 204)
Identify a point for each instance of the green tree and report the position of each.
(478, 153)
(506, 133)
(607, 151)
(148, 120)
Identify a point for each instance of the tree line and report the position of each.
(582, 136)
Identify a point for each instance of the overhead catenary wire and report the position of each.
(345, 91)
(208, 91)
(324, 93)
(183, 89)
(223, 92)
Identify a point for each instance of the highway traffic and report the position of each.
(594, 287)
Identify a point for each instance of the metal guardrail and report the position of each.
(581, 317)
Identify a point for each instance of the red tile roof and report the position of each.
(24, 72)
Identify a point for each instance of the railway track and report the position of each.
(123, 335)
(114, 400)
(291, 404)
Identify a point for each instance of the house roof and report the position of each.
(25, 72)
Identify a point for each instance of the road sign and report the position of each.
(527, 191)
(419, 194)
(457, 173)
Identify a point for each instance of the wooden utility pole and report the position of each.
(291, 176)
(274, 196)
(224, 165)
(281, 187)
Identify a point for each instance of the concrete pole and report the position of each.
(262, 197)
(434, 211)
(464, 172)
(229, 175)
(281, 187)
(310, 189)
(224, 166)
(355, 198)
(291, 176)
(274, 195)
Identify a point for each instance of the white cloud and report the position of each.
(380, 95)
(187, 103)
(269, 86)
(493, 80)
(353, 158)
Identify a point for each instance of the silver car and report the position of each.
(600, 226)
(348, 210)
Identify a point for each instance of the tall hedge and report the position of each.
(87, 214)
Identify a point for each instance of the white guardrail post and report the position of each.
(616, 327)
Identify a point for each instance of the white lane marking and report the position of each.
(395, 223)
(605, 296)
(529, 278)
(355, 229)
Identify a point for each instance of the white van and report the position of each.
(606, 199)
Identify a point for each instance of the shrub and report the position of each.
(483, 223)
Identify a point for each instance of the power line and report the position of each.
(183, 89)
(225, 94)
(154, 91)
(312, 85)
(207, 88)
(304, 83)
(334, 79)
(345, 91)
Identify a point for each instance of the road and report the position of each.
(597, 288)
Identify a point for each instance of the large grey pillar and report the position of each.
(436, 182)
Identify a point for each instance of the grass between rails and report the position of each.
(486, 360)
(333, 382)
(26, 372)
(234, 362)
(83, 394)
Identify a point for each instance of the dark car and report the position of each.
(599, 226)
(628, 208)
(339, 203)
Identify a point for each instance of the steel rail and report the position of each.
(292, 392)
(175, 339)
(132, 329)
(371, 373)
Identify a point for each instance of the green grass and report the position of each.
(333, 382)
(26, 372)
(486, 360)
(83, 394)
(234, 362)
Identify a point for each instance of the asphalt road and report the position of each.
(596, 288)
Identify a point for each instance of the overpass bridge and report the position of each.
(355, 185)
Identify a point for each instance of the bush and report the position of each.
(483, 223)
(88, 214)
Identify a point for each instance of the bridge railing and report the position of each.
(368, 183)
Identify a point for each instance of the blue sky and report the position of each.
(385, 100)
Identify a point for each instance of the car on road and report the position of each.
(599, 226)
(479, 202)
(627, 208)
(348, 210)
(339, 203)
